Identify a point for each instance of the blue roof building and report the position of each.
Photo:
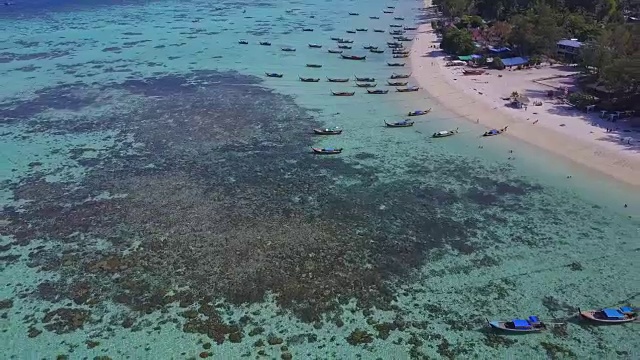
(569, 48)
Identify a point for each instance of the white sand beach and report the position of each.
(553, 126)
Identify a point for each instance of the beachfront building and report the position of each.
(569, 49)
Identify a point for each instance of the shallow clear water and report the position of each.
(159, 198)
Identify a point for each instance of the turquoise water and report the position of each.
(159, 199)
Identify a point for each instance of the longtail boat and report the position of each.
(243, 42)
(397, 83)
(374, 17)
(532, 324)
(354, 14)
(403, 123)
(326, 151)
(419, 112)
(395, 25)
(369, 47)
(314, 65)
(365, 79)
(351, 31)
(362, 29)
(309, 79)
(344, 47)
(316, 46)
(404, 38)
(444, 133)
(345, 41)
(473, 72)
(265, 43)
(399, 76)
(387, 11)
(396, 32)
(336, 38)
(328, 131)
(395, 46)
(307, 29)
(335, 51)
(399, 52)
(366, 85)
(353, 57)
(274, 75)
(494, 132)
(391, 7)
(378, 30)
(376, 51)
(410, 28)
(394, 43)
(398, 18)
(395, 64)
(288, 49)
(337, 79)
(342, 93)
(408, 89)
(377, 92)
(400, 56)
(621, 315)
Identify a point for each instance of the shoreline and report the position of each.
(427, 67)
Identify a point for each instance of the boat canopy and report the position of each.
(521, 324)
(626, 309)
(534, 319)
(613, 313)
(493, 131)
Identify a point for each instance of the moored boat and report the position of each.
(400, 56)
(399, 76)
(403, 123)
(397, 83)
(387, 11)
(342, 93)
(376, 51)
(370, 47)
(288, 49)
(396, 32)
(326, 151)
(395, 25)
(395, 64)
(353, 57)
(309, 79)
(362, 29)
(351, 31)
(399, 52)
(378, 30)
(243, 42)
(354, 14)
(315, 46)
(336, 38)
(374, 17)
(445, 133)
(314, 65)
(265, 43)
(410, 28)
(377, 92)
(335, 51)
(345, 41)
(394, 43)
(328, 131)
(344, 47)
(365, 79)
(408, 89)
(398, 18)
(307, 29)
(404, 38)
(621, 315)
(274, 75)
(532, 324)
(337, 79)
(366, 85)
(419, 112)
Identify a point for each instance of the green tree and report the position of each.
(457, 41)
(498, 64)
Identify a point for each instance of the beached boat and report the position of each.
(408, 89)
(397, 83)
(444, 133)
(337, 79)
(621, 315)
(288, 49)
(342, 93)
(345, 41)
(376, 51)
(377, 92)
(354, 14)
(395, 25)
(274, 75)
(378, 30)
(314, 65)
(362, 29)
(351, 31)
(309, 79)
(494, 132)
(366, 85)
(326, 151)
(365, 79)
(344, 47)
(419, 112)
(532, 324)
(353, 57)
(315, 46)
(374, 17)
(370, 47)
(395, 64)
(403, 123)
(328, 131)
(398, 18)
(243, 42)
(399, 76)
(265, 43)
(410, 28)
(335, 51)
(473, 72)
(400, 56)
(404, 38)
